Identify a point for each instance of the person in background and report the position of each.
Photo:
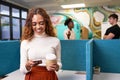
(114, 31)
(39, 39)
(69, 34)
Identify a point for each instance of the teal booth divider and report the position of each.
(89, 60)
(9, 56)
(73, 54)
(78, 55)
(106, 54)
(81, 55)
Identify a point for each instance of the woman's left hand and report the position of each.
(53, 67)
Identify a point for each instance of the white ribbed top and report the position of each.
(50, 56)
(37, 48)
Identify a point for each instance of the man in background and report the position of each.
(114, 31)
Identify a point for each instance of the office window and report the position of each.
(4, 10)
(5, 27)
(16, 28)
(15, 12)
(12, 20)
(24, 14)
(23, 23)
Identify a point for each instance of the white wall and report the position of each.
(104, 27)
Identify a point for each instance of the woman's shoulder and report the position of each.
(24, 42)
(55, 39)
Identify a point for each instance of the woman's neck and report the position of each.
(40, 35)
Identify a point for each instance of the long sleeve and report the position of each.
(58, 54)
(23, 56)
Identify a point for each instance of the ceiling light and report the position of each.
(73, 5)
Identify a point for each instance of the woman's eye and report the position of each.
(34, 24)
(41, 23)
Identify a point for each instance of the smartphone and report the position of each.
(37, 62)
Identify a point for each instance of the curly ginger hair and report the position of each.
(28, 30)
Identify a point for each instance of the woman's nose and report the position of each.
(38, 26)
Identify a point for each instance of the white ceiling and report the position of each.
(55, 4)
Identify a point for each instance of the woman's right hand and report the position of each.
(31, 63)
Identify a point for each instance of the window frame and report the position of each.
(10, 5)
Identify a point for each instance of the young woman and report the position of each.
(69, 33)
(38, 40)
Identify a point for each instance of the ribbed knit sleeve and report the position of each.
(58, 54)
(23, 56)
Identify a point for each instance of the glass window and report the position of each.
(16, 28)
(4, 10)
(15, 12)
(23, 23)
(5, 27)
(10, 26)
(24, 14)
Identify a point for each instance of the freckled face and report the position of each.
(38, 24)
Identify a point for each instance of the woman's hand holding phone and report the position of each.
(31, 63)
